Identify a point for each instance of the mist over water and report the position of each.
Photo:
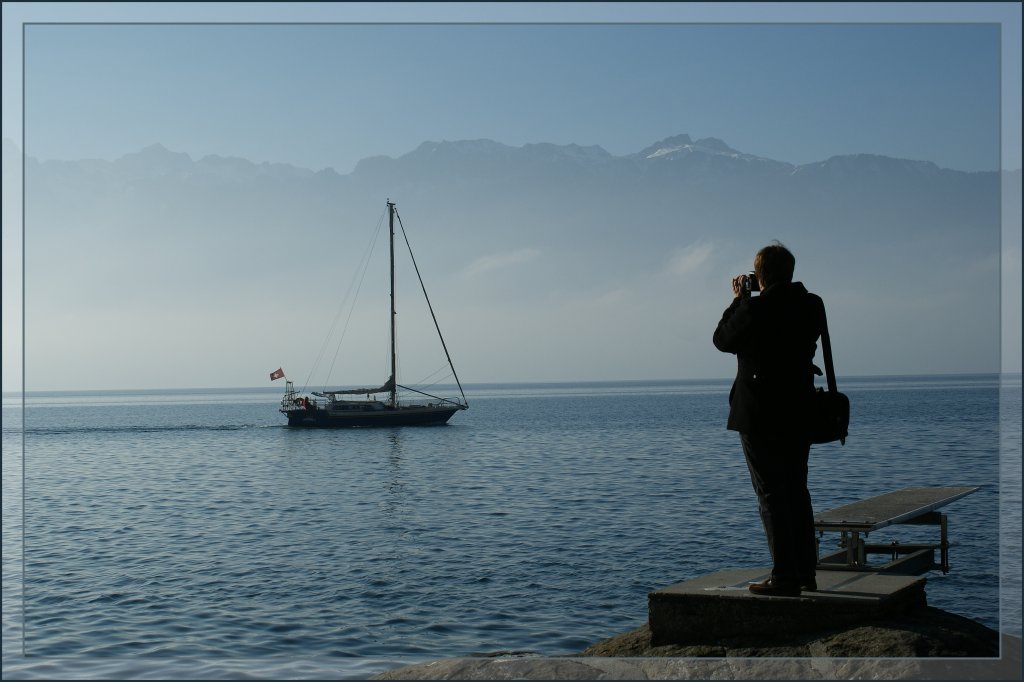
(557, 259)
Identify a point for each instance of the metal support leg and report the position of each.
(943, 544)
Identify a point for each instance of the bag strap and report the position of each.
(826, 351)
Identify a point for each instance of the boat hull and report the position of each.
(427, 415)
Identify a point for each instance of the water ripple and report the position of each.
(180, 529)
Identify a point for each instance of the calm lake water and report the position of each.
(192, 534)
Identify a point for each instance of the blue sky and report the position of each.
(329, 95)
(326, 84)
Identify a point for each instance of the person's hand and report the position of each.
(738, 290)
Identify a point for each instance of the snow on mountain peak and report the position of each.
(683, 143)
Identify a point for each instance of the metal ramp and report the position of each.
(916, 506)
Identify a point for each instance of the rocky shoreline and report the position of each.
(925, 643)
(923, 632)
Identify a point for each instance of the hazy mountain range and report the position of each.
(514, 237)
(478, 196)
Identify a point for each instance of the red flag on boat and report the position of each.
(276, 374)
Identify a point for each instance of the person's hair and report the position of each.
(774, 264)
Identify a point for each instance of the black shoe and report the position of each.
(776, 587)
(808, 585)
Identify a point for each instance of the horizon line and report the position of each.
(584, 382)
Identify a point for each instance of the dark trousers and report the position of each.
(778, 471)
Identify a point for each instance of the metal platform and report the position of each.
(907, 506)
(849, 590)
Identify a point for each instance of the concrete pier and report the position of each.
(720, 605)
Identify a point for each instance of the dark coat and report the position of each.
(774, 336)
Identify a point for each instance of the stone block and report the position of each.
(720, 605)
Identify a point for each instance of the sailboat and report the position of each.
(340, 409)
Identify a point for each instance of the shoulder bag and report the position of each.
(830, 412)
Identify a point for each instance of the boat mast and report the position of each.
(394, 373)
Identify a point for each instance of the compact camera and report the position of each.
(750, 283)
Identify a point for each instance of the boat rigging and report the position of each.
(334, 409)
